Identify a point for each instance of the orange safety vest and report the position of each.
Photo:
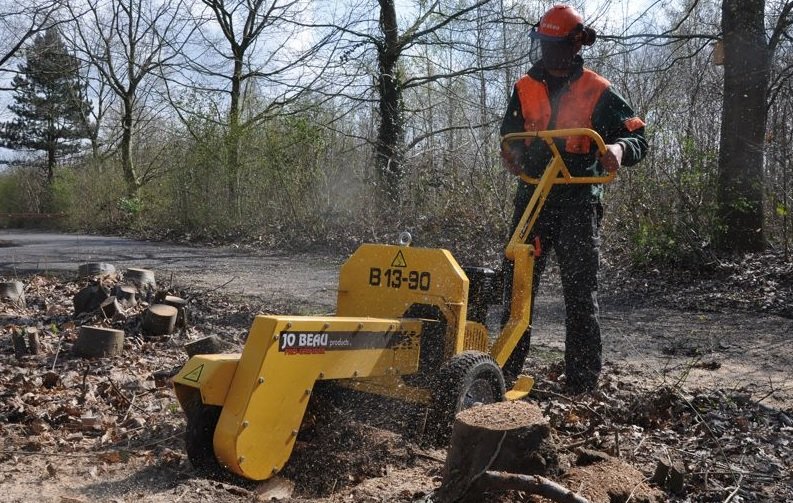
(574, 108)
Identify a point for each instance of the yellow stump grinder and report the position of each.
(409, 325)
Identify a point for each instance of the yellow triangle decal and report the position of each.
(195, 374)
(399, 260)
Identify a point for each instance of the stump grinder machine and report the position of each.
(409, 325)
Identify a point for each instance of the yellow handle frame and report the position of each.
(556, 172)
(522, 253)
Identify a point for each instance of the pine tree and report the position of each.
(49, 102)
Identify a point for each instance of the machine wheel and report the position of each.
(465, 380)
(201, 422)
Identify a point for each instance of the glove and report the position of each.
(612, 159)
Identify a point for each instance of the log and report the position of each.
(533, 484)
(504, 436)
(92, 269)
(13, 291)
(207, 346)
(99, 342)
(159, 319)
(126, 295)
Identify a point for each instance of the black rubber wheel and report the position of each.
(202, 420)
(467, 379)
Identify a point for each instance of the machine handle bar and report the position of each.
(548, 136)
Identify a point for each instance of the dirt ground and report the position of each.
(697, 374)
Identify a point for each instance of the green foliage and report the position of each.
(9, 193)
(665, 213)
(131, 206)
(654, 242)
(274, 186)
(88, 193)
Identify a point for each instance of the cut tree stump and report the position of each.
(126, 295)
(207, 346)
(505, 436)
(26, 341)
(20, 348)
(89, 299)
(143, 279)
(13, 291)
(181, 306)
(92, 269)
(96, 342)
(159, 319)
(34, 345)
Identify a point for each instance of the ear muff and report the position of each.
(583, 35)
(588, 36)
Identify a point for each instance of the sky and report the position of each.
(611, 13)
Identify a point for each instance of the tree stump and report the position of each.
(181, 306)
(207, 346)
(20, 348)
(505, 436)
(126, 295)
(34, 344)
(159, 319)
(92, 269)
(96, 342)
(143, 279)
(13, 291)
(89, 299)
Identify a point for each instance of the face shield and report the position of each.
(557, 55)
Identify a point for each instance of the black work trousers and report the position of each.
(574, 234)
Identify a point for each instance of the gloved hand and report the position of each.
(612, 159)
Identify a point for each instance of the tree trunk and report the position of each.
(391, 133)
(128, 167)
(233, 138)
(51, 163)
(746, 74)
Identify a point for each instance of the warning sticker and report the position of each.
(195, 374)
(320, 342)
(399, 260)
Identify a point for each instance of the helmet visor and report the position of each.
(558, 55)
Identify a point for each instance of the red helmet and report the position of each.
(563, 23)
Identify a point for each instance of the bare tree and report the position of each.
(258, 47)
(129, 43)
(20, 21)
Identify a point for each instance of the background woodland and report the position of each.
(324, 124)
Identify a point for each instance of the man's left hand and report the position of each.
(612, 159)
